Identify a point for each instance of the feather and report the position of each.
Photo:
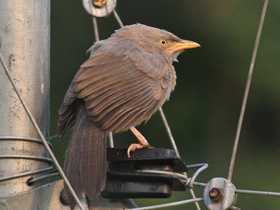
(123, 83)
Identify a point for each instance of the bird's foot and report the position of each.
(143, 143)
(134, 147)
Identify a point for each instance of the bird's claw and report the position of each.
(134, 147)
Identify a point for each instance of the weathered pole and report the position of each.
(25, 33)
(25, 52)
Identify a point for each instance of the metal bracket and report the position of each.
(100, 8)
(126, 181)
(219, 194)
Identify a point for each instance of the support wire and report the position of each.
(254, 192)
(111, 140)
(44, 141)
(246, 93)
(118, 18)
(95, 27)
(171, 138)
(169, 204)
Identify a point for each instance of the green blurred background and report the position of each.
(204, 109)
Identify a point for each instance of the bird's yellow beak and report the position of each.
(183, 45)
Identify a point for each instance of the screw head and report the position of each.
(219, 193)
(99, 3)
(154, 187)
(118, 186)
(216, 194)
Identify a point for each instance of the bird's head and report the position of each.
(154, 40)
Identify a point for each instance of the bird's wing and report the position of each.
(119, 91)
(160, 73)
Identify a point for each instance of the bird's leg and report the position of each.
(143, 143)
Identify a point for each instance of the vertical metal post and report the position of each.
(25, 33)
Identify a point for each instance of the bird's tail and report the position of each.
(85, 162)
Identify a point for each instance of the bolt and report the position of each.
(118, 186)
(156, 154)
(154, 187)
(99, 3)
(120, 154)
(216, 194)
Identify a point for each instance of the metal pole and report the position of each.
(25, 33)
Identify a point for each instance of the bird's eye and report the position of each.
(163, 42)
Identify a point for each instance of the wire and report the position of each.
(21, 138)
(172, 140)
(170, 204)
(111, 140)
(246, 93)
(5, 178)
(33, 180)
(189, 182)
(254, 192)
(95, 27)
(118, 18)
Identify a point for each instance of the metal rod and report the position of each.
(175, 147)
(25, 174)
(199, 184)
(170, 204)
(189, 181)
(196, 174)
(33, 180)
(111, 140)
(95, 27)
(239, 191)
(246, 93)
(20, 138)
(118, 18)
(30, 157)
(254, 192)
(40, 133)
(196, 165)
(234, 208)
(194, 197)
(181, 176)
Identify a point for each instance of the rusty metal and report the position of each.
(219, 194)
(216, 194)
(99, 11)
(99, 3)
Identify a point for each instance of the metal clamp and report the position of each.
(127, 177)
(219, 194)
(100, 8)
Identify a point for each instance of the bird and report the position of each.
(125, 80)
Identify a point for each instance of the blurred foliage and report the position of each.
(204, 109)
